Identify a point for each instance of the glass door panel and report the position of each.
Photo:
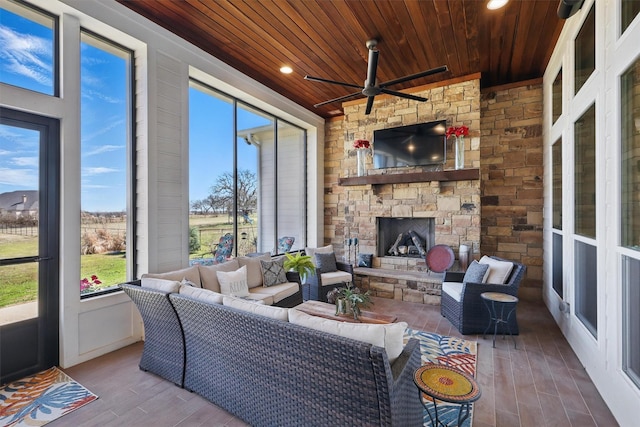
(29, 223)
(19, 220)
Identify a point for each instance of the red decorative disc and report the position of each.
(440, 258)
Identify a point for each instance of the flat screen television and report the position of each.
(414, 145)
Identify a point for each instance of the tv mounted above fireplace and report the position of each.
(421, 144)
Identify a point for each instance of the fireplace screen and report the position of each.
(405, 237)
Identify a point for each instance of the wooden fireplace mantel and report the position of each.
(401, 178)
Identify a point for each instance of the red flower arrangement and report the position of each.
(361, 143)
(87, 285)
(458, 131)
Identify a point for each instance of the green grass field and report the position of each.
(18, 283)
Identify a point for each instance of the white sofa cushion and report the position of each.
(234, 283)
(254, 269)
(191, 274)
(276, 292)
(164, 285)
(498, 271)
(202, 294)
(388, 336)
(321, 250)
(453, 289)
(335, 277)
(277, 313)
(261, 298)
(209, 276)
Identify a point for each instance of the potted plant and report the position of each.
(299, 263)
(350, 300)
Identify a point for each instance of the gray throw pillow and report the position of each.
(326, 262)
(475, 272)
(273, 272)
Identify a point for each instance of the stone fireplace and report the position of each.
(443, 206)
(396, 236)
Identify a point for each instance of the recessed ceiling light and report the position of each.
(286, 70)
(496, 4)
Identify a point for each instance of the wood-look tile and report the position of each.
(540, 383)
(553, 411)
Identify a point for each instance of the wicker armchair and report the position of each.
(320, 284)
(163, 352)
(470, 315)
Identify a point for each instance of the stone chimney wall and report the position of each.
(351, 211)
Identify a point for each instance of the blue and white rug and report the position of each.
(456, 352)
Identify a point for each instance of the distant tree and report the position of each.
(223, 191)
(198, 207)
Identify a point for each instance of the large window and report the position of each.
(586, 279)
(631, 318)
(28, 39)
(630, 158)
(558, 257)
(105, 146)
(585, 59)
(630, 9)
(630, 218)
(585, 174)
(556, 104)
(246, 182)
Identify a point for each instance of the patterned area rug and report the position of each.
(451, 351)
(41, 398)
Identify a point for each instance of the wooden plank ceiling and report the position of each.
(327, 39)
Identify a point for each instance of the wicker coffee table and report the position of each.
(442, 382)
(328, 311)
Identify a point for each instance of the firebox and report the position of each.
(405, 237)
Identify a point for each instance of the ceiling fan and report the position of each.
(370, 88)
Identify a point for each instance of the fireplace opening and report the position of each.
(405, 237)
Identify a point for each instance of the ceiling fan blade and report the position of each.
(342, 98)
(372, 69)
(403, 95)
(369, 104)
(333, 82)
(415, 76)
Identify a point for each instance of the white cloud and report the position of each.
(25, 161)
(97, 171)
(103, 149)
(27, 178)
(92, 94)
(26, 54)
(103, 130)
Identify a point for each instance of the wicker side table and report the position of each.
(448, 384)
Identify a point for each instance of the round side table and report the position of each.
(441, 382)
(501, 307)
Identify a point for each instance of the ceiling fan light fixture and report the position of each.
(496, 4)
(286, 69)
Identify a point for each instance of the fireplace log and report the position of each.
(393, 250)
(416, 241)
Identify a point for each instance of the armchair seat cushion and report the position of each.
(335, 277)
(276, 292)
(453, 289)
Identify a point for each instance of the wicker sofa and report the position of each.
(462, 305)
(271, 372)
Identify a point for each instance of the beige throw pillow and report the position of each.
(234, 283)
(254, 269)
(498, 271)
(201, 294)
(163, 285)
(209, 277)
(191, 274)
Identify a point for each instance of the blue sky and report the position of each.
(26, 61)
